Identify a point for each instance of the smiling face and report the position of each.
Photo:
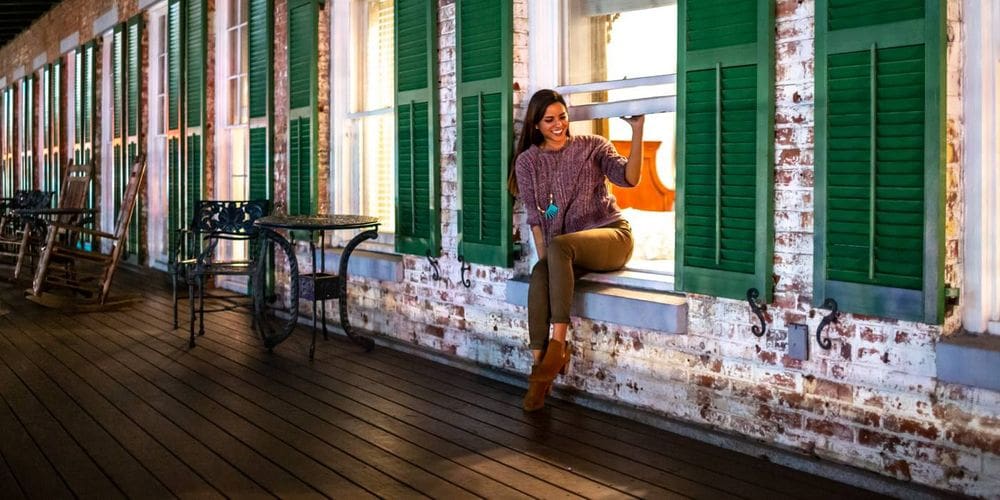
(554, 127)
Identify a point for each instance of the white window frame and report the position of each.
(345, 172)
(548, 68)
(107, 173)
(224, 130)
(981, 98)
(156, 140)
(69, 115)
(224, 151)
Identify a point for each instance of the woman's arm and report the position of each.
(633, 169)
(536, 232)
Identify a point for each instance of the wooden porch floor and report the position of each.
(115, 405)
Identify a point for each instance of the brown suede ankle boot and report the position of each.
(540, 381)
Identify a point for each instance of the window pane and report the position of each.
(233, 17)
(378, 169)
(234, 101)
(604, 44)
(234, 64)
(378, 83)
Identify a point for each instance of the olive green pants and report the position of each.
(550, 292)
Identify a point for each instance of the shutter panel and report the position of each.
(175, 191)
(418, 201)
(725, 228)
(303, 40)
(260, 23)
(194, 102)
(879, 245)
(87, 113)
(485, 129)
(27, 173)
(46, 124)
(118, 114)
(7, 174)
(55, 129)
(133, 82)
(78, 106)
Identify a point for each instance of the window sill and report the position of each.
(969, 360)
(367, 264)
(654, 310)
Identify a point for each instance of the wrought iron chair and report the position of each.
(13, 224)
(196, 259)
(62, 261)
(70, 210)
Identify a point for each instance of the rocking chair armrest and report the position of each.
(78, 229)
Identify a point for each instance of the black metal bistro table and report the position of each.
(316, 285)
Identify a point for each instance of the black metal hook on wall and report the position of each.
(436, 276)
(833, 317)
(466, 268)
(757, 309)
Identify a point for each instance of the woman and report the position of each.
(574, 221)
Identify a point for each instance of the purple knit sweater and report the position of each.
(574, 178)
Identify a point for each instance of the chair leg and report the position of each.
(201, 305)
(191, 300)
(174, 283)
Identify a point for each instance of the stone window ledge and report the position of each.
(969, 360)
(364, 264)
(653, 310)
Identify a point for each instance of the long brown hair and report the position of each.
(530, 135)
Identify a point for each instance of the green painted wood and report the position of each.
(175, 146)
(879, 157)
(485, 130)
(55, 128)
(132, 111)
(7, 184)
(260, 27)
(725, 228)
(26, 174)
(418, 205)
(303, 40)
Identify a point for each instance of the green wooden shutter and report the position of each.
(132, 109)
(303, 40)
(27, 172)
(260, 22)
(46, 100)
(77, 106)
(7, 174)
(175, 190)
(725, 103)
(87, 114)
(418, 200)
(54, 133)
(194, 102)
(118, 115)
(879, 245)
(485, 129)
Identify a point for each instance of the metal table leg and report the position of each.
(363, 341)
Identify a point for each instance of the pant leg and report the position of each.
(538, 306)
(602, 249)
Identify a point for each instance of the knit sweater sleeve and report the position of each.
(526, 188)
(611, 162)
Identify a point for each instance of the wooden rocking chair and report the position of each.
(62, 259)
(70, 210)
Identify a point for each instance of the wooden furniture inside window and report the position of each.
(650, 194)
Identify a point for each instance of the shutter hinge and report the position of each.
(951, 295)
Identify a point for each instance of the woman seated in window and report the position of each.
(575, 222)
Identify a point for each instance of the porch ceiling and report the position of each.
(17, 15)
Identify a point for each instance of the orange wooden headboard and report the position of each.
(650, 194)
